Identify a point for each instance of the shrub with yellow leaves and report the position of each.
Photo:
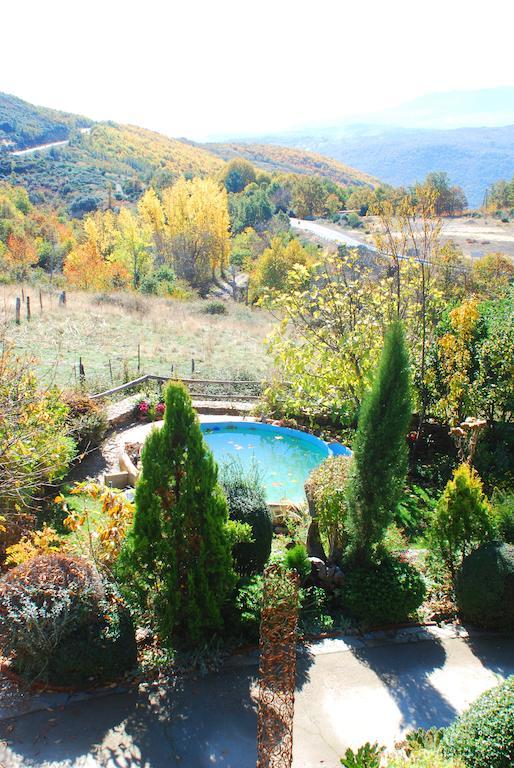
(42, 542)
(104, 528)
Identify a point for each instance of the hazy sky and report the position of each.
(202, 67)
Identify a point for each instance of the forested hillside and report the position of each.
(25, 125)
(108, 163)
(274, 158)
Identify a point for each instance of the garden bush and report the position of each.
(423, 758)
(246, 499)
(296, 559)
(503, 511)
(160, 282)
(325, 491)
(35, 446)
(462, 519)
(87, 421)
(384, 592)
(63, 624)
(485, 586)
(215, 308)
(248, 605)
(483, 736)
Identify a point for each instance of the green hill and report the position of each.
(24, 125)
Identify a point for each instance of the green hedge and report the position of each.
(384, 592)
(485, 586)
(483, 737)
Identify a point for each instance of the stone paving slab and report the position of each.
(250, 658)
(343, 699)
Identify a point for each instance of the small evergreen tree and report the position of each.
(463, 518)
(380, 450)
(176, 562)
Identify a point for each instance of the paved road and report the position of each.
(42, 147)
(329, 234)
(347, 693)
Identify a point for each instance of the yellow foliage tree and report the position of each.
(492, 275)
(455, 357)
(198, 226)
(132, 249)
(152, 216)
(274, 264)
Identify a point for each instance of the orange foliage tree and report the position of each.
(20, 256)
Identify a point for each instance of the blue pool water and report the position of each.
(284, 457)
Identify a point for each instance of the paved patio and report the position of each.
(349, 691)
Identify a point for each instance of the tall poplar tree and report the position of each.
(176, 563)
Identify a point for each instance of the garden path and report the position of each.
(349, 690)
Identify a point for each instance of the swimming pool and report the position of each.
(284, 457)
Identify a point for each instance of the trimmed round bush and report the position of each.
(483, 737)
(246, 499)
(384, 592)
(485, 586)
(62, 624)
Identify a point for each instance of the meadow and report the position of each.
(105, 331)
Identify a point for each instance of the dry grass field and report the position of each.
(109, 327)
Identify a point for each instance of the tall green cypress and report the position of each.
(176, 563)
(380, 451)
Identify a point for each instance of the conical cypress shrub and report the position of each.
(380, 452)
(176, 563)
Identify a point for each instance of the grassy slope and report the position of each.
(272, 157)
(168, 332)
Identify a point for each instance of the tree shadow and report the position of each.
(304, 661)
(200, 722)
(404, 671)
(494, 650)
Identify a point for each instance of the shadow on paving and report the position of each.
(205, 722)
(404, 671)
(492, 650)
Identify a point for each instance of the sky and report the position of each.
(201, 68)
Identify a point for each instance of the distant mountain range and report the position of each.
(91, 159)
(468, 134)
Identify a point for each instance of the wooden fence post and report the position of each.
(82, 373)
(139, 358)
(28, 307)
(18, 310)
(110, 371)
(40, 300)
